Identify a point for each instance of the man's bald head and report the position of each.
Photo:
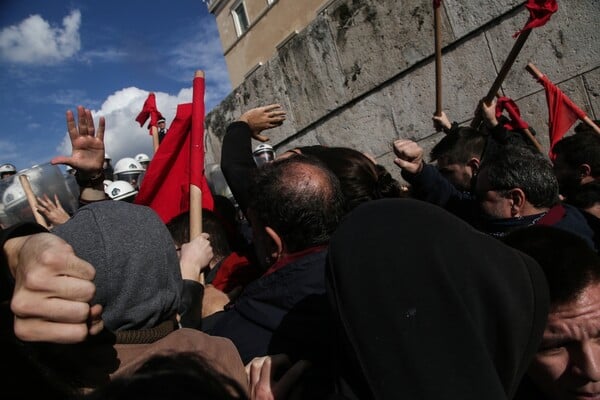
(299, 198)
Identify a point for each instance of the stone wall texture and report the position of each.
(362, 73)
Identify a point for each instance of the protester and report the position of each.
(567, 363)
(127, 297)
(295, 204)
(577, 161)
(515, 187)
(427, 307)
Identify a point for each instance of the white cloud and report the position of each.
(35, 41)
(124, 137)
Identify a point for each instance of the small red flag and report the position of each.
(540, 12)
(149, 110)
(437, 3)
(165, 187)
(515, 122)
(562, 112)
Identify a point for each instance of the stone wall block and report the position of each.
(467, 16)
(592, 86)
(376, 40)
(311, 74)
(568, 45)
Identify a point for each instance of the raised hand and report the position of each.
(262, 118)
(52, 210)
(409, 155)
(87, 142)
(442, 122)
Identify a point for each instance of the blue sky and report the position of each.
(106, 55)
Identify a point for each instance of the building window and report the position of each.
(240, 18)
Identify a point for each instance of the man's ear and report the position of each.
(518, 201)
(277, 249)
(473, 163)
(584, 171)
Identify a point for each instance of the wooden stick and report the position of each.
(154, 133)
(536, 73)
(510, 60)
(438, 60)
(39, 218)
(195, 191)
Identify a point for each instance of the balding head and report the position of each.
(299, 198)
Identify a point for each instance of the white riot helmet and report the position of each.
(120, 190)
(143, 159)
(106, 183)
(7, 169)
(263, 153)
(129, 170)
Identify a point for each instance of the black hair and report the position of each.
(524, 168)
(569, 264)
(459, 146)
(361, 179)
(300, 198)
(583, 147)
(179, 227)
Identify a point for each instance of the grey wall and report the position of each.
(362, 74)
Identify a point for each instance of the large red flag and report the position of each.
(166, 185)
(540, 12)
(149, 110)
(562, 112)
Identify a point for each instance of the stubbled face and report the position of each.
(567, 366)
(458, 174)
(493, 203)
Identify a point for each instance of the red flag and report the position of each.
(562, 112)
(149, 110)
(437, 3)
(165, 187)
(540, 12)
(515, 122)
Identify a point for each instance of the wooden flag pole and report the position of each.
(39, 218)
(154, 133)
(537, 74)
(510, 60)
(438, 59)
(195, 191)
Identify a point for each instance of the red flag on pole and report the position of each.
(149, 110)
(540, 12)
(165, 187)
(437, 3)
(562, 112)
(515, 122)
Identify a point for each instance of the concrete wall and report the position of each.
(362, 74)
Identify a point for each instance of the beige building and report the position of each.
(251, 31)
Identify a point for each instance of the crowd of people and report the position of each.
(324, 277)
